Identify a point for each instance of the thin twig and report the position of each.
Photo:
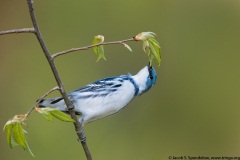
(23, 30)
(39, 100)
(90, 46)
(68, 103)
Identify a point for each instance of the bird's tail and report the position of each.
(57, 103)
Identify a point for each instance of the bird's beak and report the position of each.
(150, 70)
(149, 67)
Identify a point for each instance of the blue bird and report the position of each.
(106, 96)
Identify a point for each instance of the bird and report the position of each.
(106, 96)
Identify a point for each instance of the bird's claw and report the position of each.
(82, 139)
(71, 107)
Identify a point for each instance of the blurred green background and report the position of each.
(193, 110)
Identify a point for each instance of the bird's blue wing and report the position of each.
(99, 88)
(110, 84)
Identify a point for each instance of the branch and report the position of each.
(69, 104)
(23, 30)
(46, 94)
(90, 46)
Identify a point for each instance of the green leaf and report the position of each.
(150, 46)
(99, 50)
(8, 130)
(18, 134)
(15, 133)
(61, 116)
(127, 46)
(144, 35)
(146, 48)
(47, 115)
(28, 149)
(150, 57)
(95, 41)
(155, 49)
(13, 142)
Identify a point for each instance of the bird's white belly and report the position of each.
(99, 107)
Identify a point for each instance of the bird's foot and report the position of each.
(71, 107)
(82, 139)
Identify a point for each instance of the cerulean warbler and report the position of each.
(105, 96)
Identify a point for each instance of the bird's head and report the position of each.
(145, 79)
